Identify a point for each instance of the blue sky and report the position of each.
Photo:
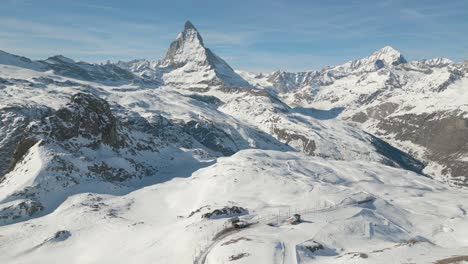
(255, 35)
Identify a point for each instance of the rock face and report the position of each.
(87, 116)
(287, 81)
(19, 209)
(188, 43)
(212, 137)
(226, 212)
(13, 122)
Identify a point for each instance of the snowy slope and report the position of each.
(371, 214)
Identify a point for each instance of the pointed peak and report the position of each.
(388, 55)
(188, 25)
(183, 48)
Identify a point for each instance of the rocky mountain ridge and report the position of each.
(415, 105)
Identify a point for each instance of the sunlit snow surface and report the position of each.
(409, 218)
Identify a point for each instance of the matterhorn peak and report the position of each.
(188, 46)
(190, 33)
(188, 55)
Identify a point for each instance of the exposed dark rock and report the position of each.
(13, 123)
(382, 110)
(109, 173)
(60, 236)
(105, 121)
(226, 212)
(308, 145)
(21, 149)
(20, 209)
(238, 256)
(235, 240)
(87, 116)
(211, 136)
(288, 81)
(360, 117)
(199, 210)
(212, 100)
(313, 246)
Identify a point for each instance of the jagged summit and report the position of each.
(187, 46)
(188, 61)
(188, 25)
(384, 57)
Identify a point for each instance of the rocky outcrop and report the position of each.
(13, 123)
(18, 209)
(225, 212)
(285, 82)
(208, 134)
(291, 138)
(87, 116)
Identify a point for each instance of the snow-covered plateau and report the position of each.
(186, 160)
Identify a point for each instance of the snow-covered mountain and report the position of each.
(189, 64)
(419, 106)
(142, 159)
